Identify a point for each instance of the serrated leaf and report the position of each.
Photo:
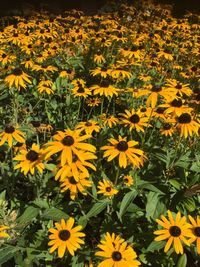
(54, 214)
(182, 261)
(97, 208)
(126, 201)
(29, 214)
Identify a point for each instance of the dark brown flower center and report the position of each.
(108, 189)
(88, 124)
(68, 140)
(156, 88)
(143, 109)
(72, 180)
(176, 103)
(81, 89)
(3, 56)
(160, 110)
(175, 231)
(35, 124)
(116, 256)
(197, 231)
(17, 72)
(126, 180)
(184, 118)
(178, 86)
(134, 118)
(122, 146)
(64, 235)
(9, 129)
(32, 155)
(167, 126)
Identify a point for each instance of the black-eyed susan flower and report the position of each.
(167, 129)
(65, 237)
(30, 160)
(106, 188)
(99, 58)
(175, 106)
(117, 252)
(79, 185)
(125, 150)
(103, 72)
(153, 92)
(175, 230)
(109, 120)
(135, 120)
(11, 134)
(77, 167)
(88, 127)
(187, 125)
(175, 87)
(45, 86)
(17, 78)
(195, 227)
(67, 143)
(128, 180)
(3, 233)
(81, 91)
(93, 102)
(104, 89)
(120, 73)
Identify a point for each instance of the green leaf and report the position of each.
(175, 183)
(156, 245)
(189, 204)
(182, 261)
(155, 206)
(41, 203)
(50, 166)
(29, 214)
(126, 201)
(82, 221)
(97, 208)
(6, 253)
(151, 187)
(54, 214)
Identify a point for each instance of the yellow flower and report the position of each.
(128, 180)
(18, 79)
(3, 234)
(89, 127)
(175, 231)
(187, 125)
(9, 134)
(104, 89)
(134, 119)
(65, 237)
(68, 142)
(78, 166)
(45, 86)
(117, 252)
(75, 186)
(30, 160)
(195, 227)
(125, 150)
(106, 188)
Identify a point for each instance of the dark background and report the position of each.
(10, 7)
